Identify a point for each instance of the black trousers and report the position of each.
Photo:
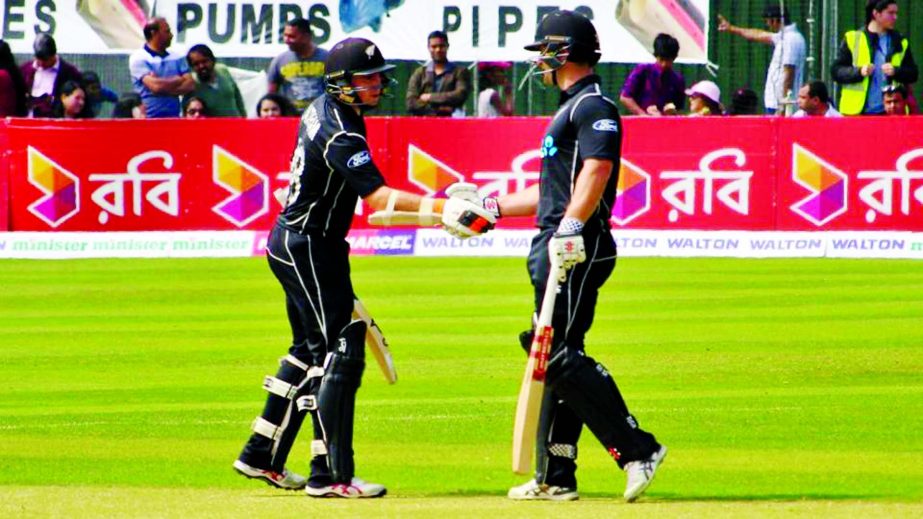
(314, 272)
(574, 310)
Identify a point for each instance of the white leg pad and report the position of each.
(318, 448)
(294, 362)
(279, 387)
(306, 403)
(266, 428)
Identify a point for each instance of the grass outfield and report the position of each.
(782, 387)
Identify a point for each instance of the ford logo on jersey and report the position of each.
(606, 125)
(359, 159)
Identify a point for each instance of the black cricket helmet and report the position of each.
(349, 58)
(566, 35)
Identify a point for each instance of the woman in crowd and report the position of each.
(12, 85)
(704, 99)
(274, 105)
(194, 107)
(72, 102)
(493, 79)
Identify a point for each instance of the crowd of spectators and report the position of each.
(874, 71)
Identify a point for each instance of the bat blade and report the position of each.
(532, 391)
(376, 343)
(529, 405)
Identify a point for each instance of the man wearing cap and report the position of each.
(159, 76)
(45, 75)
(331, 169)
(573, 202)
(871, 58)
(786, 69)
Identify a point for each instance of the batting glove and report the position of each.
(566, 246)
(463, 219)
(468, 191)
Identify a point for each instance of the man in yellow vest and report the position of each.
(870, 59)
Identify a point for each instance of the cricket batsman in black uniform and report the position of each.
(573, 202)
(308, 253)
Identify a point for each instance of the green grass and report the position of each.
(782, 387)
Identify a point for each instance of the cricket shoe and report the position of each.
(535, 491)
(641, 473)
(285, 480)
(354, 490)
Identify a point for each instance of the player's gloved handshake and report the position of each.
(464, 215)
(566, 246)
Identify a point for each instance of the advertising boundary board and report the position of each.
(750, 175)
(436, 243)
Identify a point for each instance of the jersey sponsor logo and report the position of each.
(359, 159)
(548, 147)
(606, 125)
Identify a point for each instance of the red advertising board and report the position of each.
(748, 174)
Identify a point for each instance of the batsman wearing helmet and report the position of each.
(307, 251)
(573, 202)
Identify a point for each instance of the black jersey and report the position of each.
(586, 125)
(331, 168)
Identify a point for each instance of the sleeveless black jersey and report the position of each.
(586, 125)
(331, 169)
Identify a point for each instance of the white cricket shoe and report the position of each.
(285, 480)
(354, 490)
(535, 491)
(641, 473)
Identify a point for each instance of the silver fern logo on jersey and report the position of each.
(359, 159)
(606, 125)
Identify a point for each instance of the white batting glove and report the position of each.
(463, 219)
(468, 191)
(465, 191)
(566, 246)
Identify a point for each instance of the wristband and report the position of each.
(570, 225)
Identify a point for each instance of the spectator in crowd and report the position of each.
(912, 106)
(194, 107)
(814, 100)
(214, 84)
(13, 92)
(493, 80)
(895, 100)
(439, 87)
(45, 76)
(870, 58)
(274, 105)
(159, 76)
(298, 73)
(71, 102)
(97, 94)
(129, 106)
(744, 102)
(786, 69)
(656, 88)
(704, 99)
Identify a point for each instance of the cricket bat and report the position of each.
(375, 342)
(532, 390)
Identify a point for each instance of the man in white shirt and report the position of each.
(786, 70)
(814, 100)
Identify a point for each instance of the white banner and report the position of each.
(436, 243)
(479, 30)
